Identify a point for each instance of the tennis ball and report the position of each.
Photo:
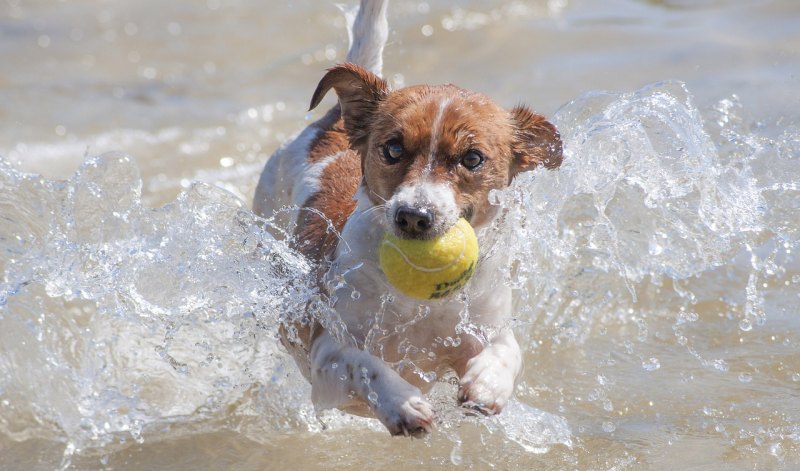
(430, 269)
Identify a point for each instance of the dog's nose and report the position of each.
(412, 220)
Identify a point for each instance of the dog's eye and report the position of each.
(393, 150)
(472, 159)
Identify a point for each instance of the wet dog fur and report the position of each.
(411, 161)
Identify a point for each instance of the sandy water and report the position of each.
(657, 274)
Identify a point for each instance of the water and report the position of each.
(657, 273)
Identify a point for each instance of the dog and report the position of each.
(410, 161)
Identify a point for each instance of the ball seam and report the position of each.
(433, 270)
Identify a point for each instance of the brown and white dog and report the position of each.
(411, 161)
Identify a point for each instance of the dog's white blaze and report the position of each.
(435, 132)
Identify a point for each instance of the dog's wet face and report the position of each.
(432, 154)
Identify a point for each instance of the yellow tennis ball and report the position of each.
(430, 269)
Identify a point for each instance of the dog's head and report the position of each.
(432, 154)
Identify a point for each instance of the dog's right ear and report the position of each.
(359, 91)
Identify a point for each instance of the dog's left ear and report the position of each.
(359, 91)
(536, 141)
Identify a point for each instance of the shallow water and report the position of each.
(657, 273)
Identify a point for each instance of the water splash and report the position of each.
(644, 198)
(534, 430)
(119, 319)
(122, 322)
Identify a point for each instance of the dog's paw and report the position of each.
(405, 414)
(487, 385)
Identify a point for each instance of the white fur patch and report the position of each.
(367, 32)
(488, 383)
(309, 181)
(436, 132)
(283, 169)
(437, 196)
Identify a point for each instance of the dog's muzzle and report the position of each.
(414, 222)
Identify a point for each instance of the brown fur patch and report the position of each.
(332, 137)
(359, 93)
(536, 141)
(327, 210)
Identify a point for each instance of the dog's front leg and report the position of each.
(344, 377)
(487, 379)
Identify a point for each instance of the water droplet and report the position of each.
(455, 454)
(628, 347)
(429, 376)
(745, 377)
(776, 449)
(372, 397)
(43, 41)
(174, 28)
(642, 333)
(746, 325)
(355, 295)
(495, 197)
(651, 365)
(654, 248)
(424, 311)
(721, 365)
(609, 426)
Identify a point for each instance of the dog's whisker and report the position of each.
(380, 207)
(379, 197)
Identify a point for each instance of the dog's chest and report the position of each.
(428, 335)
(414, 336)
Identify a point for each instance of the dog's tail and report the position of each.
(367, 30)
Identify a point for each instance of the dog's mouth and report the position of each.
(405, 226)
(413, 223)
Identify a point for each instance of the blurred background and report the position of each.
(658, 274)
(205, 90)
